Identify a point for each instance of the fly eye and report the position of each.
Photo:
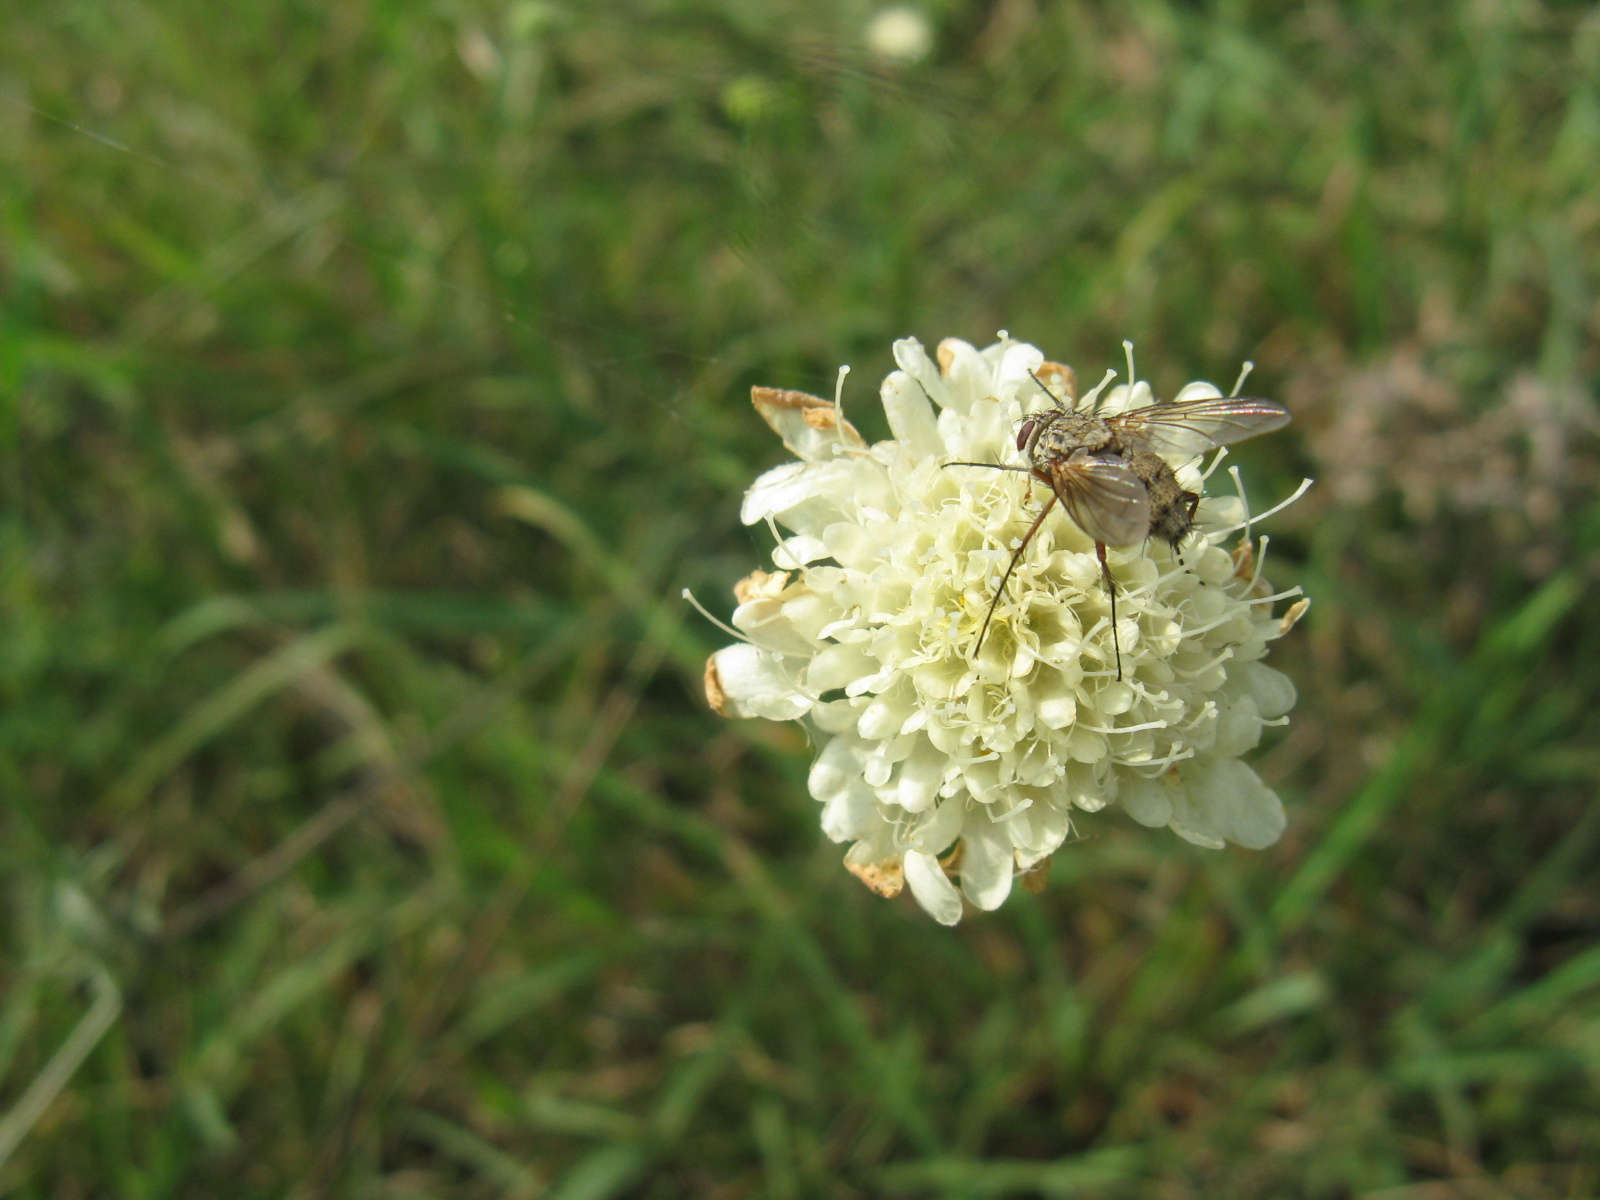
(1025, 433)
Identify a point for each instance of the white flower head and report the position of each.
(939, 762)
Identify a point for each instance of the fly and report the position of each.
(1112, 476)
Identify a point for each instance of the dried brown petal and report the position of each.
(885, 878)
(786, 398)
(1293, 615)
(1060, 379)
(715, 696)
(1037, 877)
(760, 584)
(1244, 560)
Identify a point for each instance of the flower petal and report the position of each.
(911, 358)
(937, 831)
(1273, 691)
(967, 376)
(920, 776)
(835, 767)
(910, 415)
(933, 891)
(1198, 390)
(852, 813)
(754, 683)
(1236, 803)
(986, 861)
(780, 489)
(1017, 367)
(1238, 727)
(1147, 801)
(796, 552)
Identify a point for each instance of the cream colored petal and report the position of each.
(937, 831)
(838, 666)
(1273, 691)
(836, 716)
(1198, 390)
(1017, 366)
(1238, 727)
(986, 862)
(1051, 823)
(967, 376)
(796, 552)
(933, 891)
(1218, 512)
(789, 485)
(755, 683)
(1192, 822)
(911, 358)
(779, 489)
(765, 624)
(911, 418)
(852, 813)
(1237, 804)
(917, 784)
(835, 767)
(1147, 801)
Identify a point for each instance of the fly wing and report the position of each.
(1195, 426)
(1104, 498)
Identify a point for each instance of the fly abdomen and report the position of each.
(1171, 507)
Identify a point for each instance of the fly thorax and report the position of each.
(1063, 434)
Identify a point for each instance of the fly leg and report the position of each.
(1010, 567)
(1111, 590)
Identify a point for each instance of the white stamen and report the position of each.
(1243, 375)
(1223, 620)
(1125, 728)
(1178, 753)
(1305, 486)
(772, 525)
(1092, 399)
(722, 625)
(838, 403)
(1261, 561)
(1216, 461)
(1196, 672)
(1244, 501)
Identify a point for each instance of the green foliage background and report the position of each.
(372, 379)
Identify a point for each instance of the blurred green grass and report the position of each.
(372, 379)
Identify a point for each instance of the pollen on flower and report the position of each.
(951, 768)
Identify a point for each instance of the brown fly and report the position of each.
(1112, 476)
